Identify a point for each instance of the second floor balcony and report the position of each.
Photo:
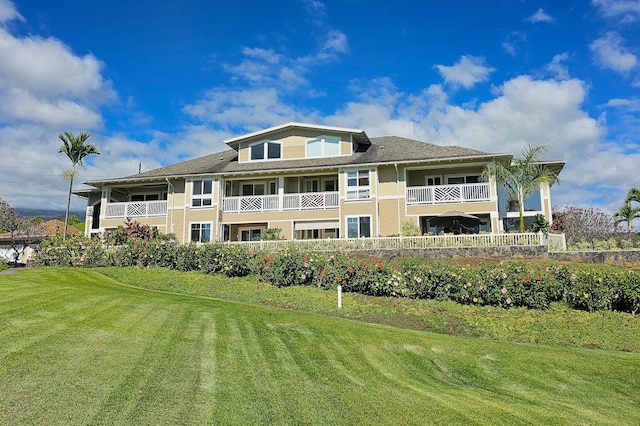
(443, 194)
(136, 209)
(286, 202)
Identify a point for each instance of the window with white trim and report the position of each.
(358, 185)
(358, 226)
(265, 150)
(433, 180)
(202, 193)
(323, 146)
(200, 232)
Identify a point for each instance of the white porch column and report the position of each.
(106, 197)
(280, 193)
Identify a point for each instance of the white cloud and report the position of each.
(468, 71)
(8, 12)
(45, 88)
(335, 42)
(627, 11)
(48, 68)
(524, 109)
(20, 105)
(609, 52)
(250, 109)
(627, 104)
(541, 16)
(557, 66)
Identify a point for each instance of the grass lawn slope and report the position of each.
(79, 347)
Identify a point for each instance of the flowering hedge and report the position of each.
(514, 284)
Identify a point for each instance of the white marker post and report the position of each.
(339, 296)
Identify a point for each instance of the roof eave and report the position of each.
(233, 142)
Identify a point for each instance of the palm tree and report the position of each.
(633, 195)
(74, 147)
(523, 175)
(627, 214)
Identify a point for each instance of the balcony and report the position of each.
(445, 194)
(288, 202)
(136, 209)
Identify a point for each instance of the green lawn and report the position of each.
(78, 347)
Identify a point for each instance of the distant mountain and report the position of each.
(48, 214)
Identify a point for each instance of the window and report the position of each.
(250, 235)
(202, 193)
(312, 185)
(200, 232)
(265, 150)
(330, 185)
(359, 227)
(358, 185)
(323, 146)
(458, 180)
(145, 197)
(433, 180)
(249, 189)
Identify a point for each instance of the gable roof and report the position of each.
(380, 150)
(358, 134)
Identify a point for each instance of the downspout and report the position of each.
(216, 216)
(395, 165)
(184, 213)
(171, 188)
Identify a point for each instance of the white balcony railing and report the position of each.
(136, 209)
(399, 243)
(265, 203)
(442, 194)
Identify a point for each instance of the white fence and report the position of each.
(557, 242)
(395, 243)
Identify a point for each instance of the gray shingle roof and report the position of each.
(386, 149)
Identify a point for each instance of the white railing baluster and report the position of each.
(136, 209)
(441, 194)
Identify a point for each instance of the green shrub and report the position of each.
(513, 284)
(235, 260)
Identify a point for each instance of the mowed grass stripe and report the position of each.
(131, 356)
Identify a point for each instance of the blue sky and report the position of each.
(156, 82)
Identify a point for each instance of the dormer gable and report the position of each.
(295, 141)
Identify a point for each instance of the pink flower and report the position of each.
(481, 288)
(615, 296)
(508, 300)
(504, 275)
(418, 279)
(303, 277)
(503, 290)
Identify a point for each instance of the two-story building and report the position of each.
(312, 181)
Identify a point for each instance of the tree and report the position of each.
(583, 225)
(9, 218)
(74, 147)
(22, 231)
(633, 195)
(523, 175)
(627, 214)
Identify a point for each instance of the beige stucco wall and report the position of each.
(436, 209)
(291, 216)
(391, 183)
(392, 215)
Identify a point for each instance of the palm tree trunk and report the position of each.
(521, 210)
(66, 215)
